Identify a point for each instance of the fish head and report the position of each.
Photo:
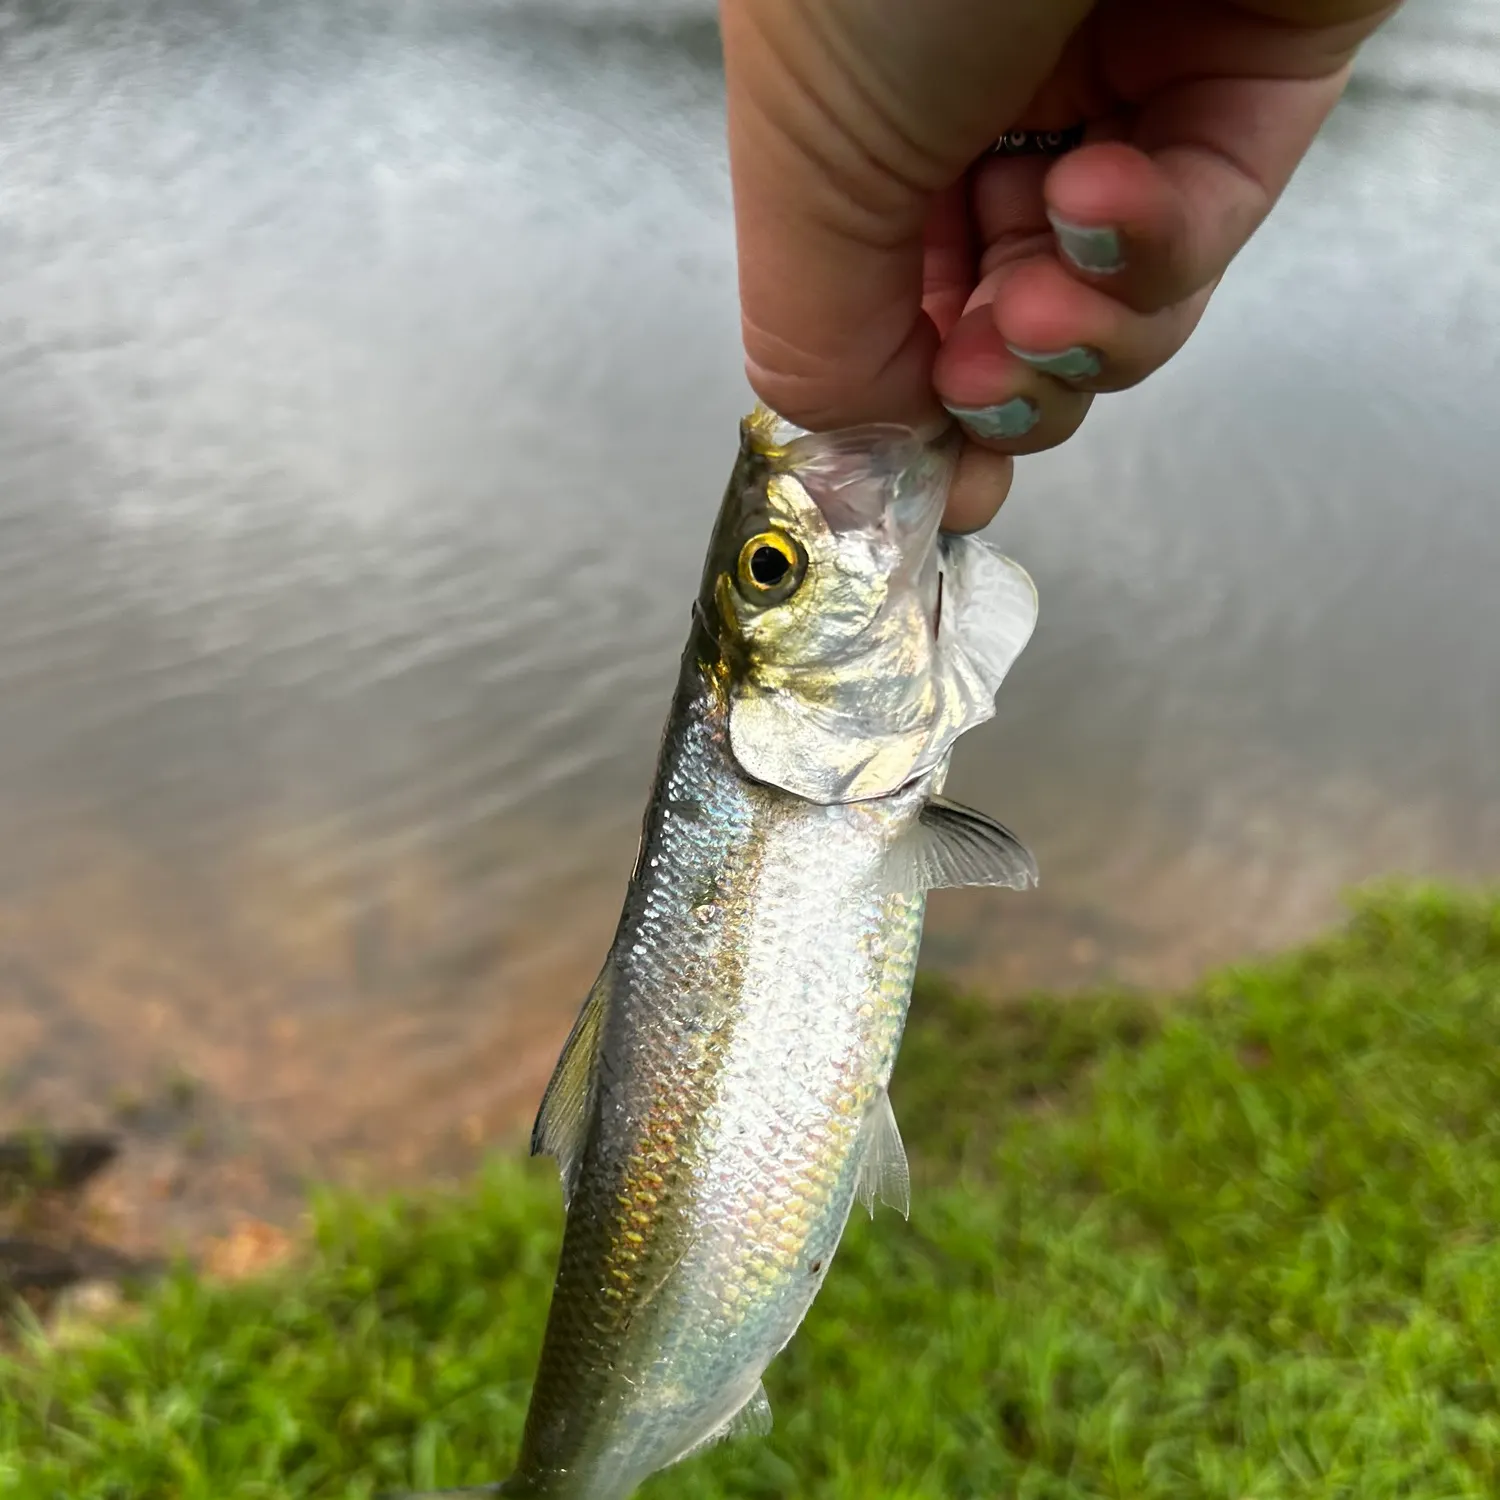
(854, 642)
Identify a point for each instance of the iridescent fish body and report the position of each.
(721, 1102)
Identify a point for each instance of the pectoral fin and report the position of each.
(953, 845)
(883, 1172)
(562, 1121)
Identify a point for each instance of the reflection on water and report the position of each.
(368, 377)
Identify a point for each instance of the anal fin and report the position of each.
(952, 845)
(753, 1419)
(562, 1121)
(484, 1489)
(883, 1172)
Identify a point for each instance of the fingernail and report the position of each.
(1091, 247)
(1076, 363)
(1010, 419)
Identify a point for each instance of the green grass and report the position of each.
(1243, 1244)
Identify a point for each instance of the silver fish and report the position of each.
(721, 1102)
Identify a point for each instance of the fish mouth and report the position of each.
(767, 433)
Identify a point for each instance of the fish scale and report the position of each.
(721, 1102)
(737, 1108)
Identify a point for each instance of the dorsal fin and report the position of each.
(952, 845)
(563, 1119)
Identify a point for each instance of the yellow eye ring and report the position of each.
(770, 567)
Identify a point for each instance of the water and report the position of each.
(368, 378)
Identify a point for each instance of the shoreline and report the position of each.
(1256, 1212)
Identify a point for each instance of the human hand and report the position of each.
(889, 269)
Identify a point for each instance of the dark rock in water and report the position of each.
(44, 1249)
(43, 1161)
(26, 1266)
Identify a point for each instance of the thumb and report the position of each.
(846, 118)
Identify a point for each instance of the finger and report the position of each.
(948, 269)
(1006, 407)
(1047, 320)
(1157, 220)
(844, 120)
(834, 330)
(1003, 403)
(830, 269)
(1009, 211)
(980, 485)
(1226, 100)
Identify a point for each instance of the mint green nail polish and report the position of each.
(1076, 363)
(1010, 419)
(1093, 248)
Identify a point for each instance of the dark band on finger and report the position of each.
(1038, 142)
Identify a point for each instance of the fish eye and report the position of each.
(770, 567)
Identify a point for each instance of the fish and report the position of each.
(721, 1103)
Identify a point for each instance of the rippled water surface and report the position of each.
(368, 378)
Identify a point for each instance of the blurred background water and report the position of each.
(368, 379)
